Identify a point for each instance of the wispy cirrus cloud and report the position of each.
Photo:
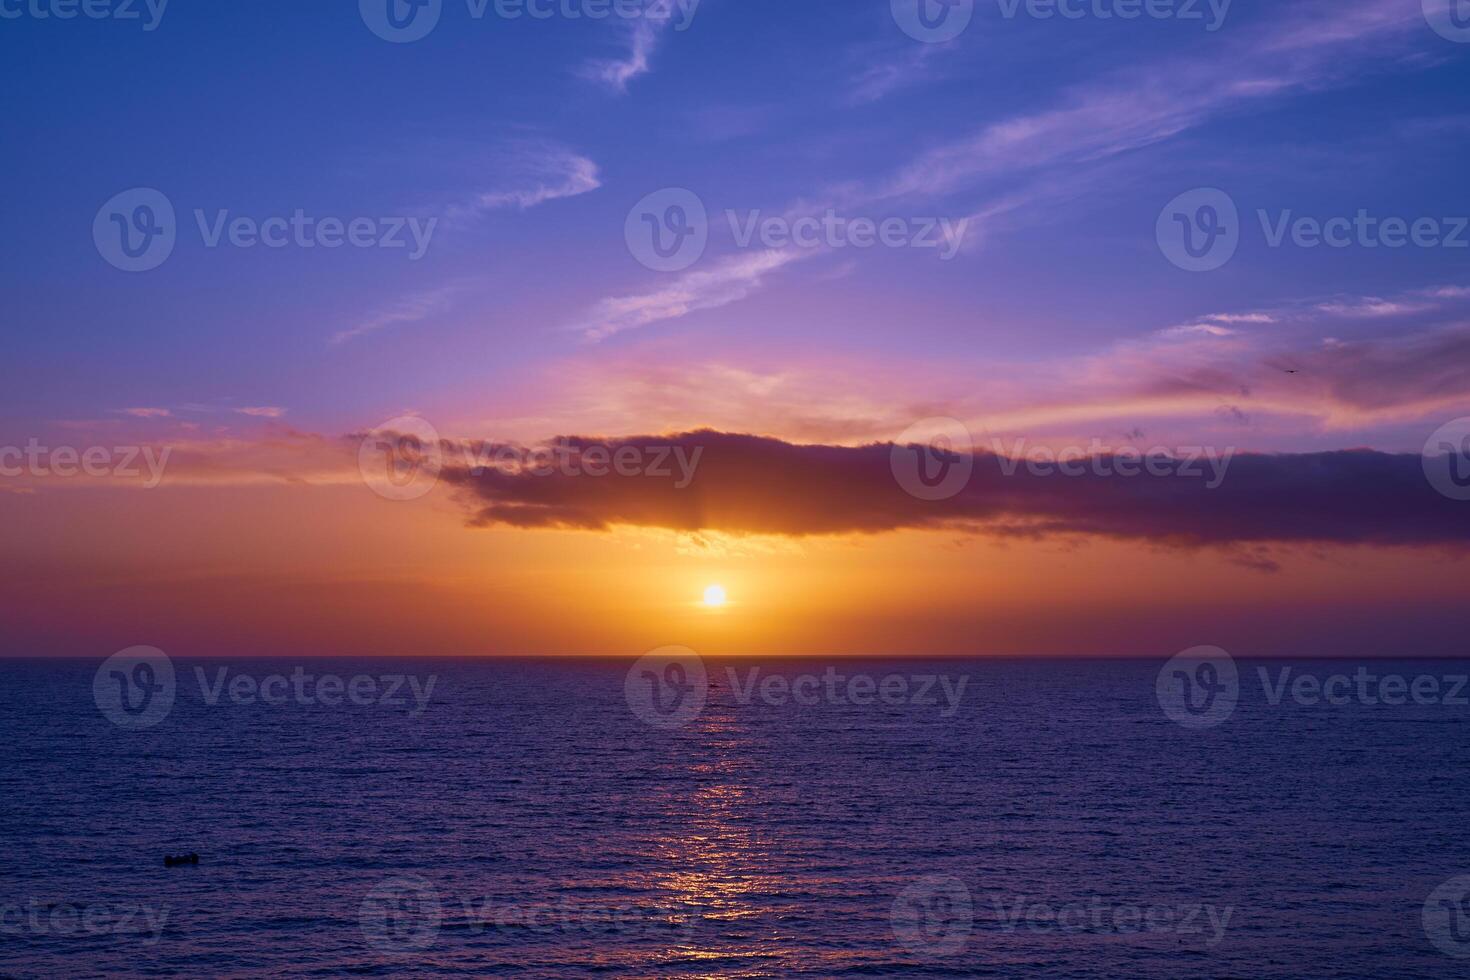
(412, 309)
(529, 173)
(726, 281)
(643, 35)
(1319, 46)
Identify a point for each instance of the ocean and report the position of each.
(807, 818)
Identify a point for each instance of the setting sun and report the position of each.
(714, 596)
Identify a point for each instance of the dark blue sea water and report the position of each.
(528, 822)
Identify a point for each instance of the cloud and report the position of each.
(746, 484)
(532, 173)
(643, 35)
(413, 309)
(263, 412)
(728, 280)
(1372, 306)
(1320, 46)
(146, 413)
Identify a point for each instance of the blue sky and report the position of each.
(1061, 139)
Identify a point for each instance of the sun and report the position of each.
(714, 596)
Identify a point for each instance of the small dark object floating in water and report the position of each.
(169, 862)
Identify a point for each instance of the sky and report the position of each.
(766, 249)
